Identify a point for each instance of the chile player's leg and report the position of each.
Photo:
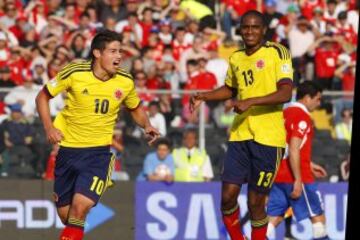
(264, 164)
(310, 205)
(277, 206)
(235, 173)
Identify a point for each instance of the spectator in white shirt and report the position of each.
(156, 118)
(25, 96)
(300, 33)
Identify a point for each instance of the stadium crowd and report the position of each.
(167, 44)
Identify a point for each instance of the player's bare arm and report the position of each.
(141, 119)
(53, 134)
(294, 159)
(282, 95)
(219, 94)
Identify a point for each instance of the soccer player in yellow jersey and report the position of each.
(84, 129)
(260, 77)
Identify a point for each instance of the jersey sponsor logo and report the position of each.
(118, 94)
(260, 64)
(285, 68)
(85, 92)
(302, 126)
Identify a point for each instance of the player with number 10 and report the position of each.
(84, 128)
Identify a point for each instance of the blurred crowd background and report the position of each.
(170, 45)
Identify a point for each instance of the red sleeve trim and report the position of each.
(285, 81)
(137, 106)
(233, 90)
(295, 133)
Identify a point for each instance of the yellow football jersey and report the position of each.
(254, 76)
(92, 105)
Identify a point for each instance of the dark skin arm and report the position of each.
(219, 94)
(282, 95)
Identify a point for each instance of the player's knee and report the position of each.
(227, 201)
(256, 205)
(79, 210)
(319, 230)
(63, 218)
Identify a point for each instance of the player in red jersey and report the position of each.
(294, 184)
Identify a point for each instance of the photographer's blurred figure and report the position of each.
(191, 163)
(344, 128)
(18, 135)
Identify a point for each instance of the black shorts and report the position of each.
(81, 170)
(253, 163)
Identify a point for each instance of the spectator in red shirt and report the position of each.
(325, 50)
(343, 28)
(17, 66)
(147, 24)
(193, 83)
(308, 6)
(178, 44)
(232, 10)
(18, 29)
(140, 84)
(346, 72)
(330, 14)
(207, 80)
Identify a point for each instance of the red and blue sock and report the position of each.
(74, 230)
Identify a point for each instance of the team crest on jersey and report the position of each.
(118, 94)
(53, 82)
(302, 125)
(260, 64)
(285, 68)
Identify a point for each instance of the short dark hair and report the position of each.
(190, 130)
(163, 141)
(154, 103)
(102, 38)
(346, 110)
(192, 62)
(307, 88)
(255, 14)
(342, 15)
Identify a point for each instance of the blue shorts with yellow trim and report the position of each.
(307, 206)
(81, 170)
(253, 163)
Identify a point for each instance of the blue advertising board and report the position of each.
(191, 211)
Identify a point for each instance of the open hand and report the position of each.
(318, 171)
